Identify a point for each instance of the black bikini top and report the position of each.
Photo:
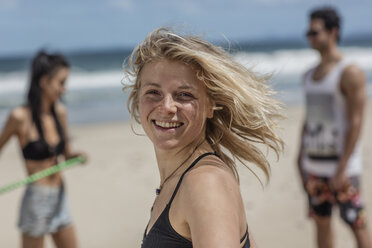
(40, 149)
(162, 234)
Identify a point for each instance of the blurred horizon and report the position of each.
(95, 83)
(96, 36)
(361, 39)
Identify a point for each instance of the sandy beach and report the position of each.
(110, 197)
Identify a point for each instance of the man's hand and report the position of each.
(338, 181)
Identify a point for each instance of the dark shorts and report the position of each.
(322, 198)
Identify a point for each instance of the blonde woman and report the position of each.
(201, 110)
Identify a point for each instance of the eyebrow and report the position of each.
(151, 84)
(183, 87)
(186, 87)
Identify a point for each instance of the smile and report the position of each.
(164, 124)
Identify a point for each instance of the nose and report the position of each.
(169, 104)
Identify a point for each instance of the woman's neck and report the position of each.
(46, 106)
(171, 160)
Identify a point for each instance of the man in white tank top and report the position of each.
(330, 160)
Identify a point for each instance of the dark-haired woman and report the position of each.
(41, 129)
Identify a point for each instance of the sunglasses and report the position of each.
(312, 33)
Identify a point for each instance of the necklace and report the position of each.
(158, 190)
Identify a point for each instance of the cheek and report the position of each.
(54, 88)
(194, 114)
(50, 91)
(141, 110)
(144, 108)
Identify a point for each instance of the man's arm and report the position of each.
(353, 86)
(300, 154)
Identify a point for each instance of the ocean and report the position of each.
(94, 88)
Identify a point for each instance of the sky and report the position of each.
(73, 25)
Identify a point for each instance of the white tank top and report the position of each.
(326, 125)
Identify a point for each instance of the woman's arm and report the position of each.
(11, 126)
(213, 208)
(62, 116)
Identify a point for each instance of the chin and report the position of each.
(171, 144)
(166, 145)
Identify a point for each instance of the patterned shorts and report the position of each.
(322, 198)
(43, 210)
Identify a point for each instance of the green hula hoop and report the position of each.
(41, 174)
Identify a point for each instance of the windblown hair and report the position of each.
(247, 113)
(43, 64)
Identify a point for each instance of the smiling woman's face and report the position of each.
(173, 104)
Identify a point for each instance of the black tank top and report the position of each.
(162, 234)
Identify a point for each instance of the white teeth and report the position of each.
(167, 124)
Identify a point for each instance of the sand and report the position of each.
(111, 196)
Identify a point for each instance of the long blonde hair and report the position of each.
(246, 112)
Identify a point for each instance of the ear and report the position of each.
(335, 33)
(211, 108)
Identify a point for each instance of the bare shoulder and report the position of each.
(211, 176)
(61, 112)
(352, 77)
(352, 70)
(61, 109)
(17, 120)
(211, 204)
(19, 115)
